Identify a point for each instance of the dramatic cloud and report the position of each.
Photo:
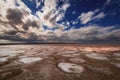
(51, 14)
(92, 32)
(14, 16)
(18, 23)
(30, 23)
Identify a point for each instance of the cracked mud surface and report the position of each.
(59, 62)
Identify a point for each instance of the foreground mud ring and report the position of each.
(70, 68)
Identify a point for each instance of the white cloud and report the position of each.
(90, 16)
(65, 6)
(99, 16)
(74, 22)
(38, 3)
(86, 17)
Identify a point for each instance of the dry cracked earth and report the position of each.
(59, 62)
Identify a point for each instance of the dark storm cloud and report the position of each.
(14, 32)
(16, 24)
(11, 32)
(20, 36)
(14, 16)
(30, 23)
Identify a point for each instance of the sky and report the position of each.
(67, 21)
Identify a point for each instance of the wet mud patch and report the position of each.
(7, 74)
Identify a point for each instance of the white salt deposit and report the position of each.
(71, 55)
(116, 64)
(96, 56)
(66, 52)
(45, 53)
(117, 54)
(30, 59)
(3, 59)
(77, 60)
(70, 67)
(8, 52)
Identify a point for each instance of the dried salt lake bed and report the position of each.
(59, 62)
